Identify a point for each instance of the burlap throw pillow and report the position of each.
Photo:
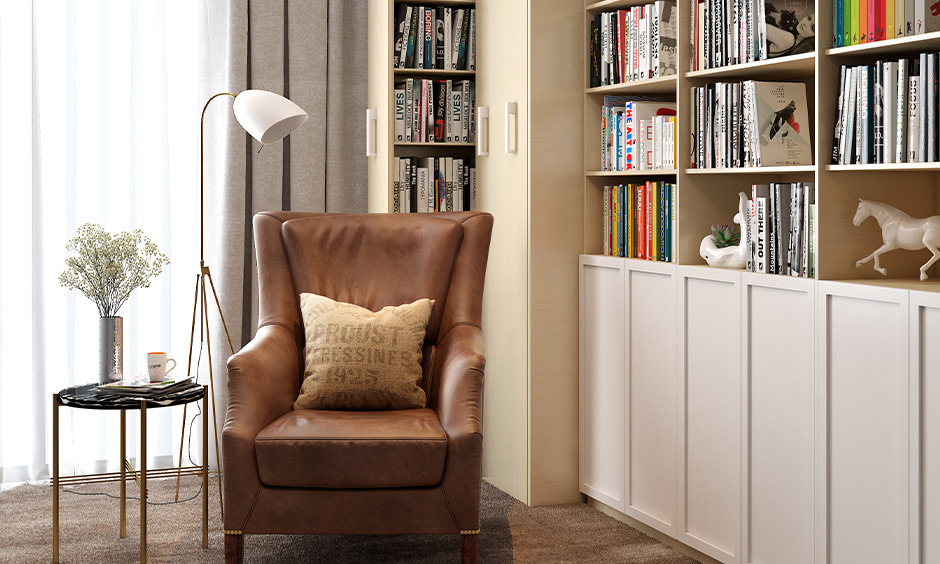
(357, 359)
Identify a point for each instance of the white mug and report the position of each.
(157, 366)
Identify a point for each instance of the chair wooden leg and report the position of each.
(234, 548)
(468, 549)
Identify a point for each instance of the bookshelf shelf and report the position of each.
(809, 169)
(930, 285)
(406, 144)
(607, 5)
(930, 167)
(454, 3)
(897, 46)
(660, 85)
(439, 73)
(619, 173)
(794, 66)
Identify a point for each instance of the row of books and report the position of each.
(637, 133)
(730, 32)
(781, 232)
(434, 184)
(887, 112)
(434, 38)
(640, 221)
(865, 21)
(750, 124)
(635, 43)
(435, 111)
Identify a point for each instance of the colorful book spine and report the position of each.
(856, 20)
(863, 14)
(847, 23)
(899, 18)
(838, 28)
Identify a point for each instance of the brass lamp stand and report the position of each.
(268, 117)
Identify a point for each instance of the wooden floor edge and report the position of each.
(651, 532)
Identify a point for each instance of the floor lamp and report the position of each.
(268, 117)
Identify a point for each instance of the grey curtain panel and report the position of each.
(315, 53)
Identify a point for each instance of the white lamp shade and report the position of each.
(267, 116)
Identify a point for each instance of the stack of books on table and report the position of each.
(144, 388)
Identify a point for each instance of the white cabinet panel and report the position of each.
(779, 367)
(710, 370)
(602, 380)
(863, 339)
(925, 366)
(652, 435)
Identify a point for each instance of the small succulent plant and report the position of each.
(726, 235)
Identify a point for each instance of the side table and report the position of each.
(85, 397)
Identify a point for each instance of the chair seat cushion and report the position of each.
(312, 448)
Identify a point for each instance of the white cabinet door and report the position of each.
(925, 373)
(779, 438)
(863, 367)
(602, 380)
(651, 394)
(710, 411)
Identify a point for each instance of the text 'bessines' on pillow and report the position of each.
(357, 359)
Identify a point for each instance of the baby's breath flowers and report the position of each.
(108, 268)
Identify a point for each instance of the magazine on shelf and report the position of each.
(142, 386)
(782, 123)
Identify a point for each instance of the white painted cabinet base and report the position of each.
(762, 419)
(710, 411)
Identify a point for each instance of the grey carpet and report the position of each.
(511, 532)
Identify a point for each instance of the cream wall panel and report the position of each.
(652, 394)
(502, 27)
(602, 380)
(779, 369)
(710, 412)
(863, 339)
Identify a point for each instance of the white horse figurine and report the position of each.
(728, 257)
(900, 231)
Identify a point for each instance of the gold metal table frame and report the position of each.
(140, 476)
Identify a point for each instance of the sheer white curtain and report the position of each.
(99, 122)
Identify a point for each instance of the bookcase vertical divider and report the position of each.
(685, 239)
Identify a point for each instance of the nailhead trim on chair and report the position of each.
(476, 532)
(233, 532)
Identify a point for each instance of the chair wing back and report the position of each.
(373, 260)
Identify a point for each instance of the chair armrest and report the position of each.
(263, 382)
(457, 387)
(457, 397)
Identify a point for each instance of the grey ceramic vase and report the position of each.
(110, 349)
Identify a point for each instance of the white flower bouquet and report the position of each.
(108, 268)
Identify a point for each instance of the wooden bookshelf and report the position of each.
(898, 46)
(899, 167)
(433, 73)
(658, 85)
(708, 195)
(608, 5)
(753, 170)
(431, 145)
(663, 358)
(632, 173)
(383, 75)
(784, 68)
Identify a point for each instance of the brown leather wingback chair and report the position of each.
(412, 471)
